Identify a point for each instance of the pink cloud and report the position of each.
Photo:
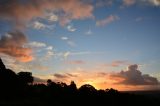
(20, 12)
(107, 20)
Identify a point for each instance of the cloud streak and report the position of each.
(75, 62)
(107, 20)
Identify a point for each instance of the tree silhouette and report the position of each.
(25, 78)
(2, 66)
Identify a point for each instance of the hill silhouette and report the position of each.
(19, 89)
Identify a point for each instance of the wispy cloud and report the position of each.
(64, 38)
(36, 44)
(49, 48)
(75, 62)
(107, 20)
(140, 2)
(89, 32)
(116, 63)
(71, 28)
(70, 42)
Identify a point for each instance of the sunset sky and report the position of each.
(105, 43)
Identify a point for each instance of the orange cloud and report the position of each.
(12, 44)
(116, 63)
(22, 11)
(107, 20)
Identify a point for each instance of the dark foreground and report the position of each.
(81, 98)
(19, 90)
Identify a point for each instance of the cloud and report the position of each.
(12, 44)
(20, 11)
(134, 77)
(102, 3)
(49, 54)
(89, 32)
(38, 25)
(141, 2)
(63, 76)
(107, 20)
(49, 48)
(68, 41)
(129, 2)
(37, 44)
(154, 2)
(71, 43)
(64, 38)
(71, 28)
(66, 54)
(116, 63)
(75, 62)
(18, 66)
(52, 17)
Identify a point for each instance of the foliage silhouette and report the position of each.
(19, 89)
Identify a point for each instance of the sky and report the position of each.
(105, 43)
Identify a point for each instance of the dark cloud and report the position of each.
(39, 80)
(71, 75)
(12, 44)
(64, 76)
(60, 76)
(134, 77)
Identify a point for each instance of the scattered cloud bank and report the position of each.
(22, 11)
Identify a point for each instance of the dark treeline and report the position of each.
(18, 89)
